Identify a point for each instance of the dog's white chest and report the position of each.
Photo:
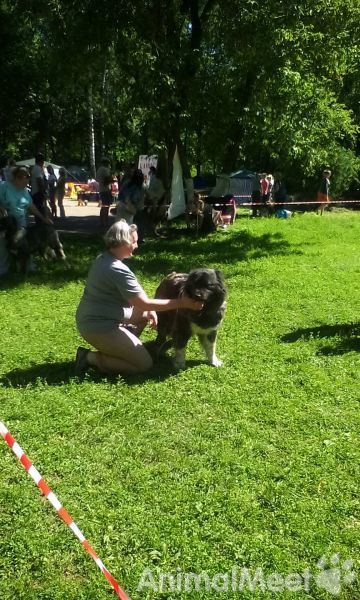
(196, 330)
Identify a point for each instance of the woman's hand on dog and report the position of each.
(152, 318)
(148, 305)
(191, 304)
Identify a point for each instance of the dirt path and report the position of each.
(80, 220)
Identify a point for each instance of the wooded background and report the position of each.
(265, 84)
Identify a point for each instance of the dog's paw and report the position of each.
(178, 364)
(216, 362)
(49, 254)
(179, 359)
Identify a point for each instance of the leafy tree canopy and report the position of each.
(270, 85)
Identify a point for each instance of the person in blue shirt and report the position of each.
(16, 202)
(16, 199)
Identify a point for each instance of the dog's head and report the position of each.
(206, 285)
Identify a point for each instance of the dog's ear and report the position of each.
(220, 279)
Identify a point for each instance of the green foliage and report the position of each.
(346, 170)
(271, 85)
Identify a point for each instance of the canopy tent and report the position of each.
(238, 184)
(30, 162)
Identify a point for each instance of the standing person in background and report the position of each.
(323, 194)
(265, 185)
(279, 194)
(104, 179)
(38, 183)
(279, 189)
(131, 202)
(119, 172)
(52, 180)
(270, 180)
(256, 194)
(127, 173)
(60, 191)
(8, 170)
(155, 195)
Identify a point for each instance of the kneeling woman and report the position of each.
(113, 299)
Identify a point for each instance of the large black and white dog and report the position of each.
(206, 285)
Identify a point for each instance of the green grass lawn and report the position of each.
(255, 464)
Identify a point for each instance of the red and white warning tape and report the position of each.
(304, 202)
(63, 514)
(289, 203)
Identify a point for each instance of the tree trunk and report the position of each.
(236, 133)
(91, 132)
(198, 150)
(100, 129)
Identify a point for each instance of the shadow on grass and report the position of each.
(55, 274)
(57, 374)
(181, 250)
(185, 252)
(51, 373)
(347, 337)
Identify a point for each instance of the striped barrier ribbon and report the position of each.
(63, 514)
(304, 202)
(285, 203)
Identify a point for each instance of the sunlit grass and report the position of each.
(254, 464)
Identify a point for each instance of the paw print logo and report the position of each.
(335, 574)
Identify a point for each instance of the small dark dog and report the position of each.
(206, 285)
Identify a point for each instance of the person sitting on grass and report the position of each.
(208, 219)
(112, 300)
(195, 210)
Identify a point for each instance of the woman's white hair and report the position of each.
(119, 234)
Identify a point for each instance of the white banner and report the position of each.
(145, 162)
(177, 206)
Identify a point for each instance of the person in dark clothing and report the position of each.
(279, 189)
(39, 183)
(323, 194)
(130, 204)
(256, 194)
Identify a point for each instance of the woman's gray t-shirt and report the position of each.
(104, 303)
